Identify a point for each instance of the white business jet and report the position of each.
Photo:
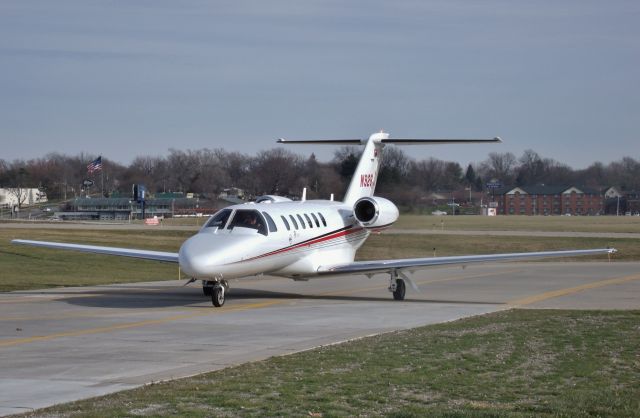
(304, 239)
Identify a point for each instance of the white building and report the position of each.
(10, 197)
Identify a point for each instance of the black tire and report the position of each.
(398, 294)
(207, 289)
(217, 296)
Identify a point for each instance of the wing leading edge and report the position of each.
(123, 252)
(385, 266)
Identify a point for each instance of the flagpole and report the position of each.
(102, 182)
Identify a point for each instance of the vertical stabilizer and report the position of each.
(363, 182)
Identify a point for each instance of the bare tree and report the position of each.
(17, 182)
(428, 175)
(394, 167)
(185, 169)
(277, 171)
(499, 166)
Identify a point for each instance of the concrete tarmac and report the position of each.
(65, 344)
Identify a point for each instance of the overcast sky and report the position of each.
(128, 78)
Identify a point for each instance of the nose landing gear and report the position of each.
(207, 287)
(217, 289)
(217, 295)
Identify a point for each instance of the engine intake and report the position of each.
(375, 212)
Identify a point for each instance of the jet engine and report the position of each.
(375, 212)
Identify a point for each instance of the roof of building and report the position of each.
(126, 200)
(547, 190)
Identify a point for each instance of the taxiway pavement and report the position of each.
(65, 344)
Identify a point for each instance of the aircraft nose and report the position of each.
(202, 255)
(195, 256)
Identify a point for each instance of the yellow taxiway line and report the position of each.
(571, 290)
(208, 311)
(201, 312)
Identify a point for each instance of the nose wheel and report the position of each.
(217, 295)
(218, 292)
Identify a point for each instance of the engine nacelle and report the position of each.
(375, 212)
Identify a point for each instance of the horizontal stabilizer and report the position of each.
(321, 141)
(407, 141)
(396, 141)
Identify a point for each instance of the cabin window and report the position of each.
(272, 225)
(295, 224)
(308, 220)
(219, 220)
(315, 219)
(324, 222)
(245, 218)
(301, 222)
(286, 223)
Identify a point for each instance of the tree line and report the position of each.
(279, 171)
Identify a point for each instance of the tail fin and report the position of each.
(363, 182)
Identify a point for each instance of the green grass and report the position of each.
(519, 363)
(390, 246)
(36, 268)
(498, 223)
(521, 223)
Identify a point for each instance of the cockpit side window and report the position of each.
(219, 219)
(272, 225)
(246, 218)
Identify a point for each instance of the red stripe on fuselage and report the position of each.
(326, 237)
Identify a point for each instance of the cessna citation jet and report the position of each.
(304, 239)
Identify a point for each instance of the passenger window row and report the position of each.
(249, 218)
(299, 222)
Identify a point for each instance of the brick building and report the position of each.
(549, 200)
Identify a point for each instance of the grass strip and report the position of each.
(517, 363)
(617, 224)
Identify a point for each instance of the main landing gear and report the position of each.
(216, 289)
(397, 286)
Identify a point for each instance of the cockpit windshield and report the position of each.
(219, 220)
(247, 218)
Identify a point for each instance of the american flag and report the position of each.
(95, 165)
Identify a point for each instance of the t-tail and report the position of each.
(364, 180)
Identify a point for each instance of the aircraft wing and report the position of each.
(123, 252)
(385, 266)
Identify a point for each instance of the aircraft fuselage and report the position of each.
(290, 239)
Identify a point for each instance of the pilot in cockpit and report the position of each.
(251, 220)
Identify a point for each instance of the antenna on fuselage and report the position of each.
(304, 195)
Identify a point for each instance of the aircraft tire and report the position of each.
(398, 294)
(217, 296)
(207, 288)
